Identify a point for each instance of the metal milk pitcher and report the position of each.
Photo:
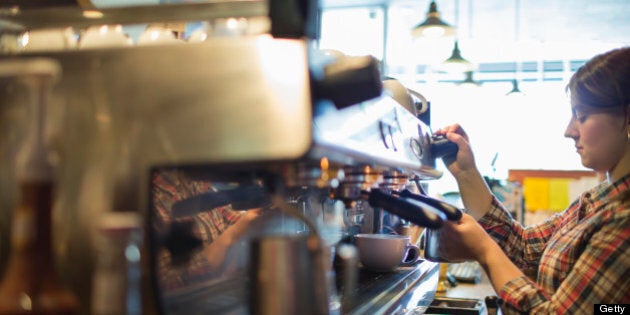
(288, 275)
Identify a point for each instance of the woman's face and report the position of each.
(600, 136)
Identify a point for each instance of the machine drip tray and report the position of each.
(407, 287)
(455, 306)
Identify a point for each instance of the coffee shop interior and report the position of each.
(508, 89)
(501, 74)
(161, 125)
(505, 86)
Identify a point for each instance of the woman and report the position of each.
(579, 257)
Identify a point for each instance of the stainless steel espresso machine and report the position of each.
(253, 160)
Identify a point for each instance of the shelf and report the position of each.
(59, 17)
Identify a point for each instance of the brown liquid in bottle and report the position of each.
(30, 284)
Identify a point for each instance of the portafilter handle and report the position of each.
(452, 213)
(247, 197)
(407, 208)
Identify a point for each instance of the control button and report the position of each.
(416, 148)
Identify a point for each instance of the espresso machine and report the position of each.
(252, 158)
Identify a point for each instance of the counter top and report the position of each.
(406, 290)
(471, 291)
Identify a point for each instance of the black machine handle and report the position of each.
(241, 198)
(408, 209)
(442, 147)
(452, 213)
(349, 81)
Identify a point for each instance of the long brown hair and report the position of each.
(603, 82)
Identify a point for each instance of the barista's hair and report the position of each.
(603, 82)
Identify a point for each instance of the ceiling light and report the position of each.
(456, 63)
(469, 81)
(92, 14)
(515, 90)
(433, 26)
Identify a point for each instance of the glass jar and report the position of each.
(116, 284)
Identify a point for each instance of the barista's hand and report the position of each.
(217, 251)
(475, 193)
(465, 160)
(464, 240)
(467, 240)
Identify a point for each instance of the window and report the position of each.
(506, 133)
(354, 31)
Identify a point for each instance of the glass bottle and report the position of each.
(30, 284)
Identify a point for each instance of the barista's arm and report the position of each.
(499, 268)
(467, 240)
(474, 191)
(216, 251)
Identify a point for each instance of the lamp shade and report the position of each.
(515, 90)
(433, 26)
(469, 81)
(456, 63)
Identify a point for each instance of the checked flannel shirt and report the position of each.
(167, 188)
(579, 257)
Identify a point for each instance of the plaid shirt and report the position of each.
(167, 188)
(579, 257)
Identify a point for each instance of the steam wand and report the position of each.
(285, 208)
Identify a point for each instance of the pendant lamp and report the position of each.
(515, 90)
(433, 26)
(469, 81)
(456, 63)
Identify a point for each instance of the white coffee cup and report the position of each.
(104, 36)
(386, 252)
(49, 39)
(155, 35)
